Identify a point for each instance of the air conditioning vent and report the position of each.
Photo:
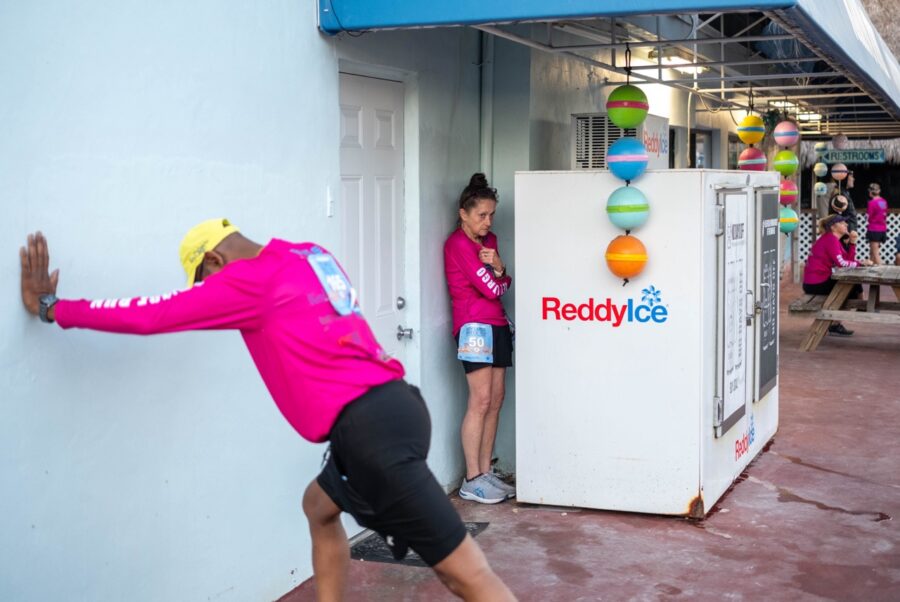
(592, 135)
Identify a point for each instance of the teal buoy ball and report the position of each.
(820, 169)
(787, 220)
(627, 158)
(627, 106)
(752, 159)
(785, 162)
(820, 188)
(821, 147)
(627, 208)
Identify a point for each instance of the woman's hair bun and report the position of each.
(478, 180)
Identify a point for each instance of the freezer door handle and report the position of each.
(752, 313)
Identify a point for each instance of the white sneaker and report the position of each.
(482, 490)
(507, 489)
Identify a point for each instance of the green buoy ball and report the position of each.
(627, 106)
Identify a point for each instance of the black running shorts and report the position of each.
(503, 350)
(376, 472)
(875, 236)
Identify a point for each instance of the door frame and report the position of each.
(411, 196)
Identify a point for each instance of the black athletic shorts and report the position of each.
(503, 350)
(376, 471)
(876, 236)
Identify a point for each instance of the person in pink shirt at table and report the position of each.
(301, 321)
(876, 231)
(826, 254)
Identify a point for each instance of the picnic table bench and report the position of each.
(837, 307)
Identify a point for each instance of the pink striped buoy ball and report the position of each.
(627, 106)
(751, 129)
(820, 188)
(839, 171)
(752, 159)
(787, 193)
(786, 134)
(820, 169)
(785, 162)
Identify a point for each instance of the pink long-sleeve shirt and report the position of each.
(877, 213)
(474, 290)
(827, 253)
(313, 360)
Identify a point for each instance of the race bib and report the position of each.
(340, 293)
(476, 343)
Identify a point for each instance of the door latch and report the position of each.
(404, 333)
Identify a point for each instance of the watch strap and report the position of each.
(45, 302)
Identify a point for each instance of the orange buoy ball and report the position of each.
(787, 193)
(787, 220)
(626, 256)
(627, 106)
(751, 129)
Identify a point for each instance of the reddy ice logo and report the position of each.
(648, 309)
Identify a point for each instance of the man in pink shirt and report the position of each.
(300, 319)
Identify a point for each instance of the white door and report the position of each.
(371, 202)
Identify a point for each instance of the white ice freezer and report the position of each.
(621, 405)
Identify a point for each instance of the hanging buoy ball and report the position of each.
(785, 162)
(840, 141)
(839, 171)
(786, 134)
(626, 256)
(627, 208)
(820, 188)
(627, 106)
(787, 220)
(821, 147)
(787, 193)
(627, 158)
(751, 129)
(752, 159)
(820, 169)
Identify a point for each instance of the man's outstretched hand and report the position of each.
(36, 279)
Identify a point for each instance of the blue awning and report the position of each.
(357, 15)
(839, 31)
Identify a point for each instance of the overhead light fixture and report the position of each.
(809, 117)
(782, 104)
(673, 59)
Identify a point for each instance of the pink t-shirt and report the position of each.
(474, 290)
(877, 213)
(827, 253)
(313, 360)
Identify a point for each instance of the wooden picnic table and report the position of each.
(837, 307)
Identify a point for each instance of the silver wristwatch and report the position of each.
(45, 302)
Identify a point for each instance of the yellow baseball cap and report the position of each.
(203, 237)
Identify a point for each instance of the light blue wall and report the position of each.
(159, 468)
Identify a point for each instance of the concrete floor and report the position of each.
(815, 517)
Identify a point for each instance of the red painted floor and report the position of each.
(816, 518)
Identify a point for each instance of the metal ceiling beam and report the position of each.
(657, 43)
(776, 88)
(767, 77)
(734, 63)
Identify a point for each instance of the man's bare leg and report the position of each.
(467, 574)
(331, 550)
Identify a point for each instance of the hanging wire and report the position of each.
(627, 63)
